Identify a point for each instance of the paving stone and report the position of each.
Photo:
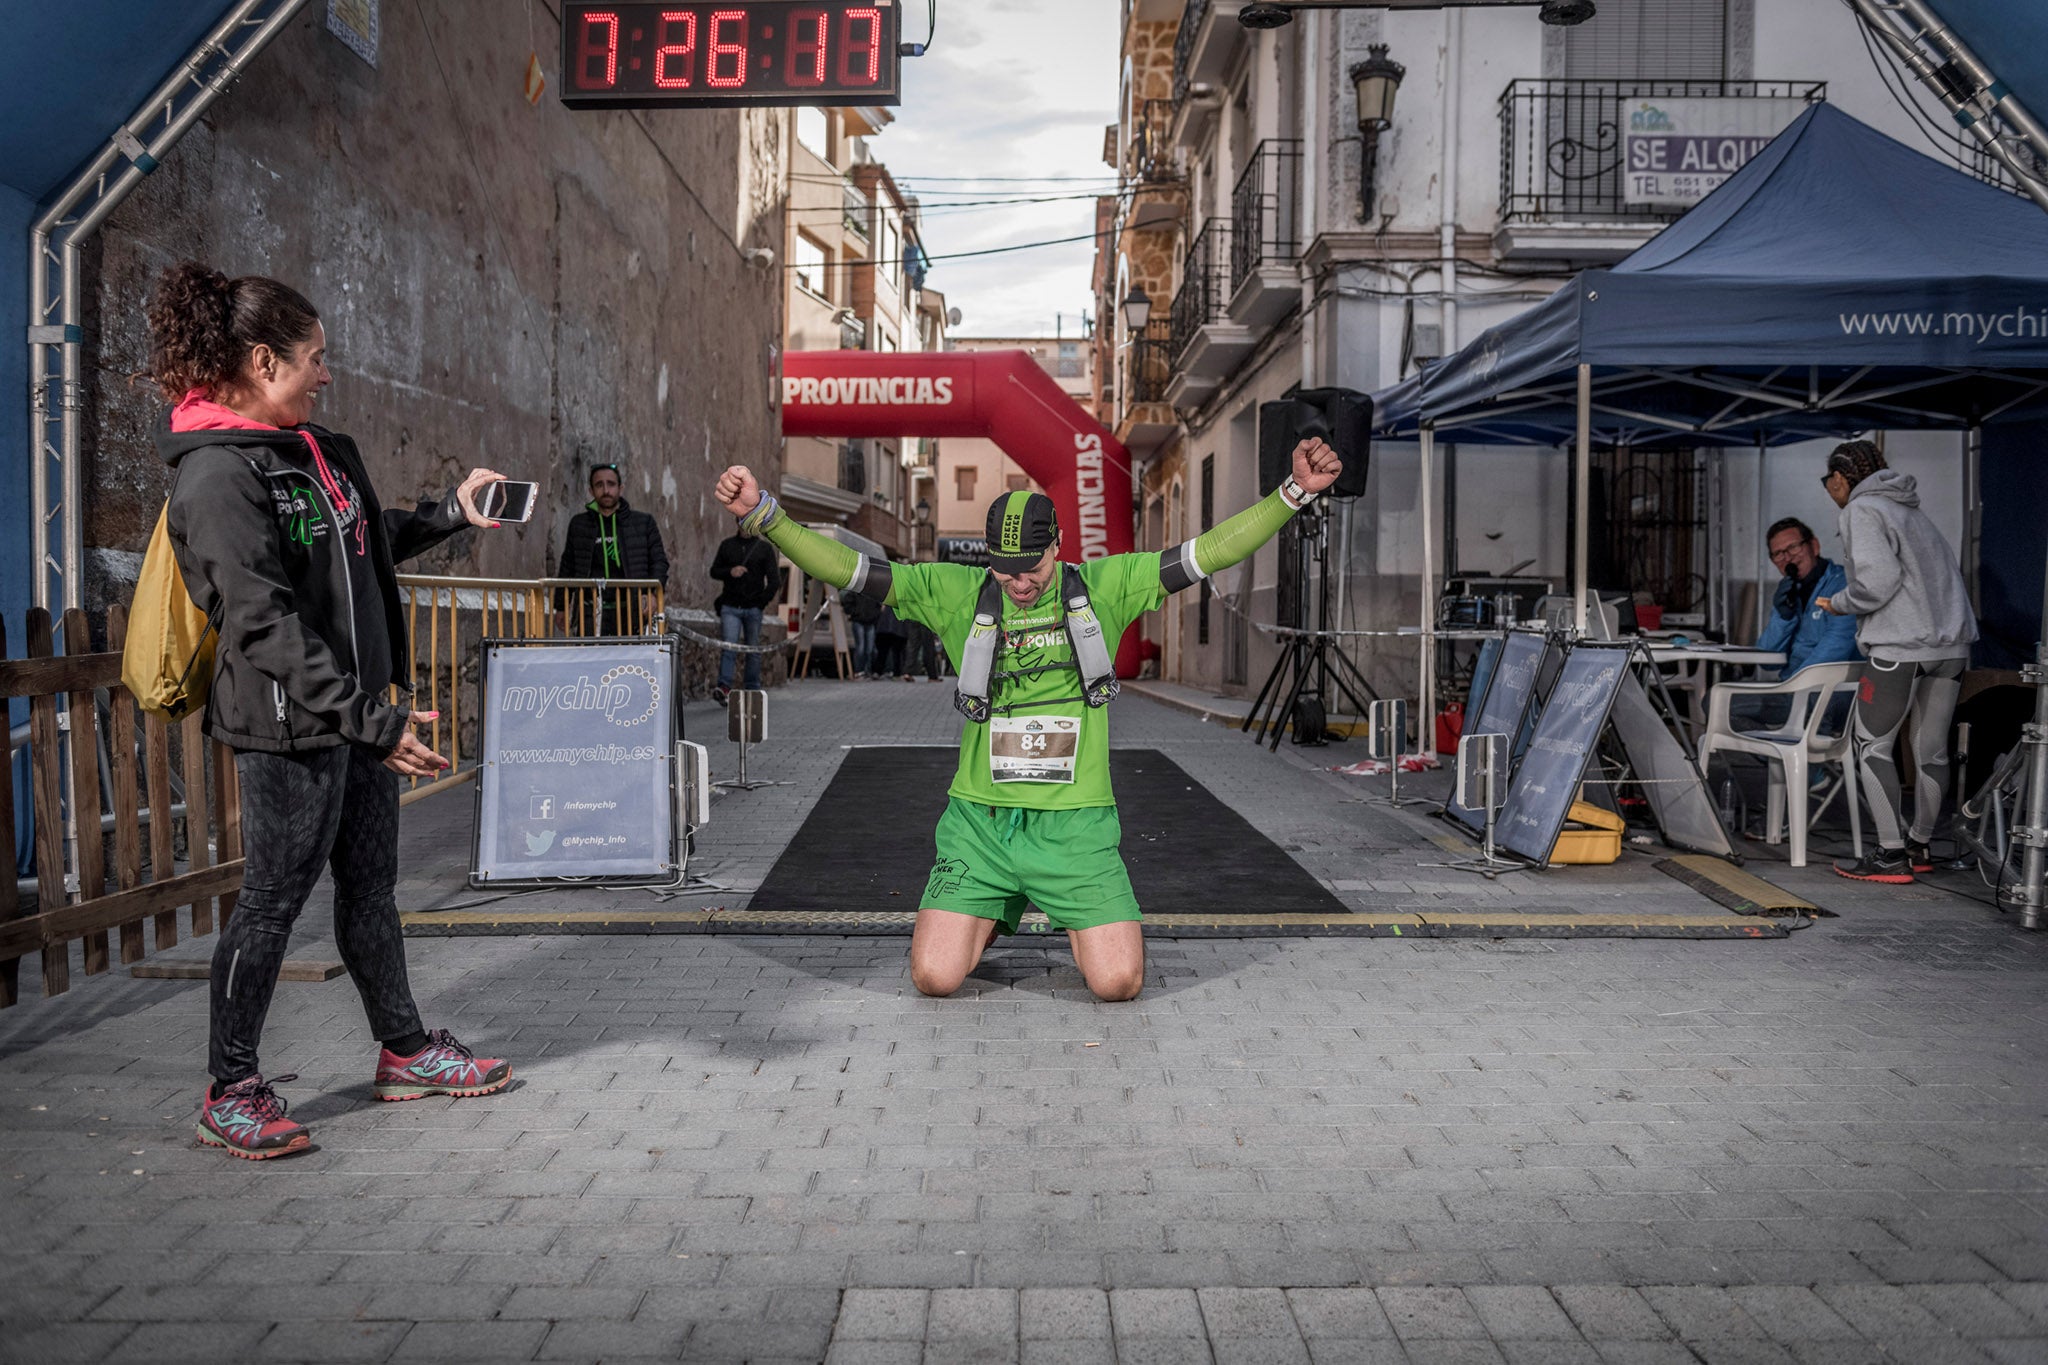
(1156, 1313)
(882, 1315)
(1521, 1314)
(1063, 1315)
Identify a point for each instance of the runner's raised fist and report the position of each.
(737, 491)
(1316, 465)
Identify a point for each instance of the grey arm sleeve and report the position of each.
(1177, 567)
(871, 578)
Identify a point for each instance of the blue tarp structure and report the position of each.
(72, 73)
(1838, 282)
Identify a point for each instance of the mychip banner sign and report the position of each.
(578, 763)
(1675, 152)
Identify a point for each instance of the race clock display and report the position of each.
(754, 52)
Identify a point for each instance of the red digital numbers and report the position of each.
(630, 53)
(590, 47)
(860, 47)
(672, 60)
(804, 54)
(728, 44)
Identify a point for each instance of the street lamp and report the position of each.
(1137, 308)
(923, 511)
(921, 520)
(1375, 81)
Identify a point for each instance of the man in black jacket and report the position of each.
(608, 540)
(748, 572)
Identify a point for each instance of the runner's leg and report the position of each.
(1111, 958)
(944, 947)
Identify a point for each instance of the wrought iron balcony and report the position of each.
(853, 334)
(1191, 20)
(1204, 291)
(1148, 157)
(1561, 143)
(855, 212)
(1148, 364)
(1265, 209)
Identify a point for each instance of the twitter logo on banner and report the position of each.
(537, 844)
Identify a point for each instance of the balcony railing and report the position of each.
(855, 211)
(1148, 364)
(1205, 284)
(1265, 209)
(1561, 143)
(1184, 45)
(853, 334)
(1149, 159)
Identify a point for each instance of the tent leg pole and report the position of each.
(1426, 741)
(2032, 832)
(1582, 480)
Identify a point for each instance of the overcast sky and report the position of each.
(1010, 88)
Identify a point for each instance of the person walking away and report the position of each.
(891, 635)
(863, 614)
(608, 539)
(284, 544)
(1913, 620)
(1030, 813)
(749, 576)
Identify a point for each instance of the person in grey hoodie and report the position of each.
(1913, 621)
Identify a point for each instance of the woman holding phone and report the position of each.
(283, 543)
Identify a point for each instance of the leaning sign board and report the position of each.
(1678, 151)
(1511, 664)
(578, 773)
(1547, 780)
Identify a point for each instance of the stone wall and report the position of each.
(508, 284)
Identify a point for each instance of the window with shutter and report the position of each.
(1649, 40)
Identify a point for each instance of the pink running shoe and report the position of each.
(247, 1120)
(442, 1067)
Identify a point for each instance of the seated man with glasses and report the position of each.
(1798, 624)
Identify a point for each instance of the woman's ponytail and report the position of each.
(203, 325)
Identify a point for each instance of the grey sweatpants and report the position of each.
(1892, 689)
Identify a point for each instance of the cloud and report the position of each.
(1011, 88)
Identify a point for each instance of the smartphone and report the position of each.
(508, 500)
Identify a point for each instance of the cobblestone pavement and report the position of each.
(1828, 1148)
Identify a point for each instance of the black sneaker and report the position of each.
(1919, 857)
(719, 694)
(1888, 865)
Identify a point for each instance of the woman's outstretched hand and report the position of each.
(466, 491)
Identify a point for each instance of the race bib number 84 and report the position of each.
(1032, 748)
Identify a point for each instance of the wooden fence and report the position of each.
(90, 868)
(106, 796)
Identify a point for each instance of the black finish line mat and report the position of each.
(867, 845)
(859, 863)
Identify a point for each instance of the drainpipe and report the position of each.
(56, 312)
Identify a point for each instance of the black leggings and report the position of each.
(1893, 688)
(335, 808)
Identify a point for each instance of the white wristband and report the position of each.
(1294, 495)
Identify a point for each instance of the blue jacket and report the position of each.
(1813, 636)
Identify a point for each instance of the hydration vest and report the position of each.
(1084, 633)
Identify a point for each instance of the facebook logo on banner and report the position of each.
(543, 807)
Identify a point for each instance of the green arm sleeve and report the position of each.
(822, 557)
(1228, 542)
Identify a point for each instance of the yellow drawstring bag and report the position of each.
(168, 659)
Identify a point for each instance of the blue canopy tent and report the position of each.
(1837, 283)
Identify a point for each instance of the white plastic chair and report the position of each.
(1790, 751)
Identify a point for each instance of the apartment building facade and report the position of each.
(1263, 240)
(855, 280)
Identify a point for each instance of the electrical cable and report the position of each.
(1949, 144)
(987, 251)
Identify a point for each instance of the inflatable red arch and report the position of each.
(1001, 395)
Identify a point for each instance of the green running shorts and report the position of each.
(992, 859)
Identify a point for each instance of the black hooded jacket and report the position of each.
(257, 540)
(633, 539)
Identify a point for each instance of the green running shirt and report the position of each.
(942, 596)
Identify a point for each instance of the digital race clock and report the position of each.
(639, 55)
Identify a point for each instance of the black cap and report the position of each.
(1021, 528)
